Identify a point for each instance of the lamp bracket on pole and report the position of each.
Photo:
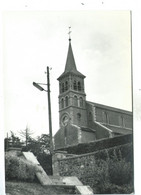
(41, 83)
(38, 86)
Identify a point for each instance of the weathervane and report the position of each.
(69, 33)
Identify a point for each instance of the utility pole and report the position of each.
(37, 85)
(49, 110)
(7, 143)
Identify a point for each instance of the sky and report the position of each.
(33, 40)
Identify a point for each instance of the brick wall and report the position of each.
(86, 137)
(101, 132)
(66, 136)
(113, 117)
(59, 139)
(72, 135)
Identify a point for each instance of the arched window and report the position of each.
(63, 88)
(67, 100)
(74, 85)
(81, 102)
(65, 132)
(121, 121)
(78, 116)
(90, 116)
(62, 103)
(79, 86)
(60, 88)
(75, 101)
(105, 117)
(66, 85)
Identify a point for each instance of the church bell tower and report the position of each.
(72, 97)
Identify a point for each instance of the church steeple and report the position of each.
(70, 66)
(70, 62)
(72, 97)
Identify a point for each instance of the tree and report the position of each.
(26, 134)
(39, 145)
(44, 142)
(12, 141)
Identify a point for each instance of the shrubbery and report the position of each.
(107, 171)
(120, 171)
(83, 148)
(113, 175)
(19, 169)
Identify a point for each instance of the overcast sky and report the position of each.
(101, 43)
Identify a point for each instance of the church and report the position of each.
(82, 121)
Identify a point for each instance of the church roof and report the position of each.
(87, 129)
(70, 66)
(109, 108)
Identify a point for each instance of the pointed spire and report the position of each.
(70, 62)
(70, 66)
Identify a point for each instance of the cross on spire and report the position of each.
(69, 33)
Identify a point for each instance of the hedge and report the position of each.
(19, 169)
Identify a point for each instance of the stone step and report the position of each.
(84, 190)
(67, 185)
(71, 184)
(72, 181)
(63, 189)
(65, 180)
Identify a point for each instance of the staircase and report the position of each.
(71, 185)
(67, 185)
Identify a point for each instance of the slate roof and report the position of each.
(87, 129)
(117, 129)
(70, 66)
(109, 108)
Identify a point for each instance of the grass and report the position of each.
(24, 188)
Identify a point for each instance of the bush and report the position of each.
(109, 175)
(119, 175)
(19, 169)
(120, 171)
(110, 188)
(46, 162)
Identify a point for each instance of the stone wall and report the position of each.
(89, 167)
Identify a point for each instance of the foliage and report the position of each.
(40, 145)
(45, 161)
(107, 171)
(19, 169)
(110, 188)
(41, 149)
(83, 148)
(114, 175)
(12, 141)
(120, 171)
(26, 134)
